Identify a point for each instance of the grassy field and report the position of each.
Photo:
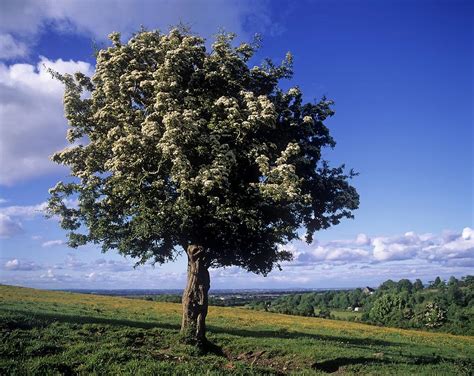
(45, 332)
(346, 315)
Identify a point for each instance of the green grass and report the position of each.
(346, 315)
(45, 332)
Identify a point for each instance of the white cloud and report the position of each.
(363, 261)
(410, 246)
(25, 212)
(342, 263)
(11, 216)
(12, 264)
(116, 266)
(52, 243)
(467, 233)
(99, 277)
(9, 227)
(100, 265)
(324, 253)
(362, 239)
(16, 264)
(52, 276)
(386, 250)
(32, 125)
(49, 275)
(31, 101)
(11, 48)
(460, 247)
(467, 262)
(97, 19)
(71, 261)
(291, 248)
(428, 247)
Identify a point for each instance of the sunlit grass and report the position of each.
(76, 333)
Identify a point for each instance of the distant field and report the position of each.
(45, 332)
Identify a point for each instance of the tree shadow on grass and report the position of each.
(42, 318)
(333, 365)
(21, 319)
(26, 320)
(355, 342)
(209, 347)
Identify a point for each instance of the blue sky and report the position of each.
(400, 73)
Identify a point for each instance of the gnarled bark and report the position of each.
(195, 296)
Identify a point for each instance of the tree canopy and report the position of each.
(173, 145)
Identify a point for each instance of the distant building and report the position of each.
(368, 290)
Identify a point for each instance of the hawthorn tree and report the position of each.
(176, 148)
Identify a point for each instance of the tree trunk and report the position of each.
(195, 296)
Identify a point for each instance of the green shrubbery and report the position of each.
(446, 306)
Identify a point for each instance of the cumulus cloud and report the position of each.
(72, 262)
(11, 216)
(324, 253)
(101, 265)
(52, 276)
(460, 247)
(30, 108)
(342, 263)
(386, 249)
(467, 233)
(31, 101)
(433, 248)
(16, 264)
(95, 276)
(11, 48)
(9, 227)
(97, 19)
(443, 248)
(362, 239)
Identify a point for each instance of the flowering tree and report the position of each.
(176, 148)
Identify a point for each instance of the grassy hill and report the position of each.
(45, 332)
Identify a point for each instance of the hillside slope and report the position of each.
(46, 332)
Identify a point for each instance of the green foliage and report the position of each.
(305, 304)
(404, 285)
(388, 309)
(324, 313)
(388, 285)
(172, 298)
(400, 304)
(418, 285)
(438, 283)
(440, 306)
(175, 145)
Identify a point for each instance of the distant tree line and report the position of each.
(315, 303)
(446, 306)
(228, 301)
